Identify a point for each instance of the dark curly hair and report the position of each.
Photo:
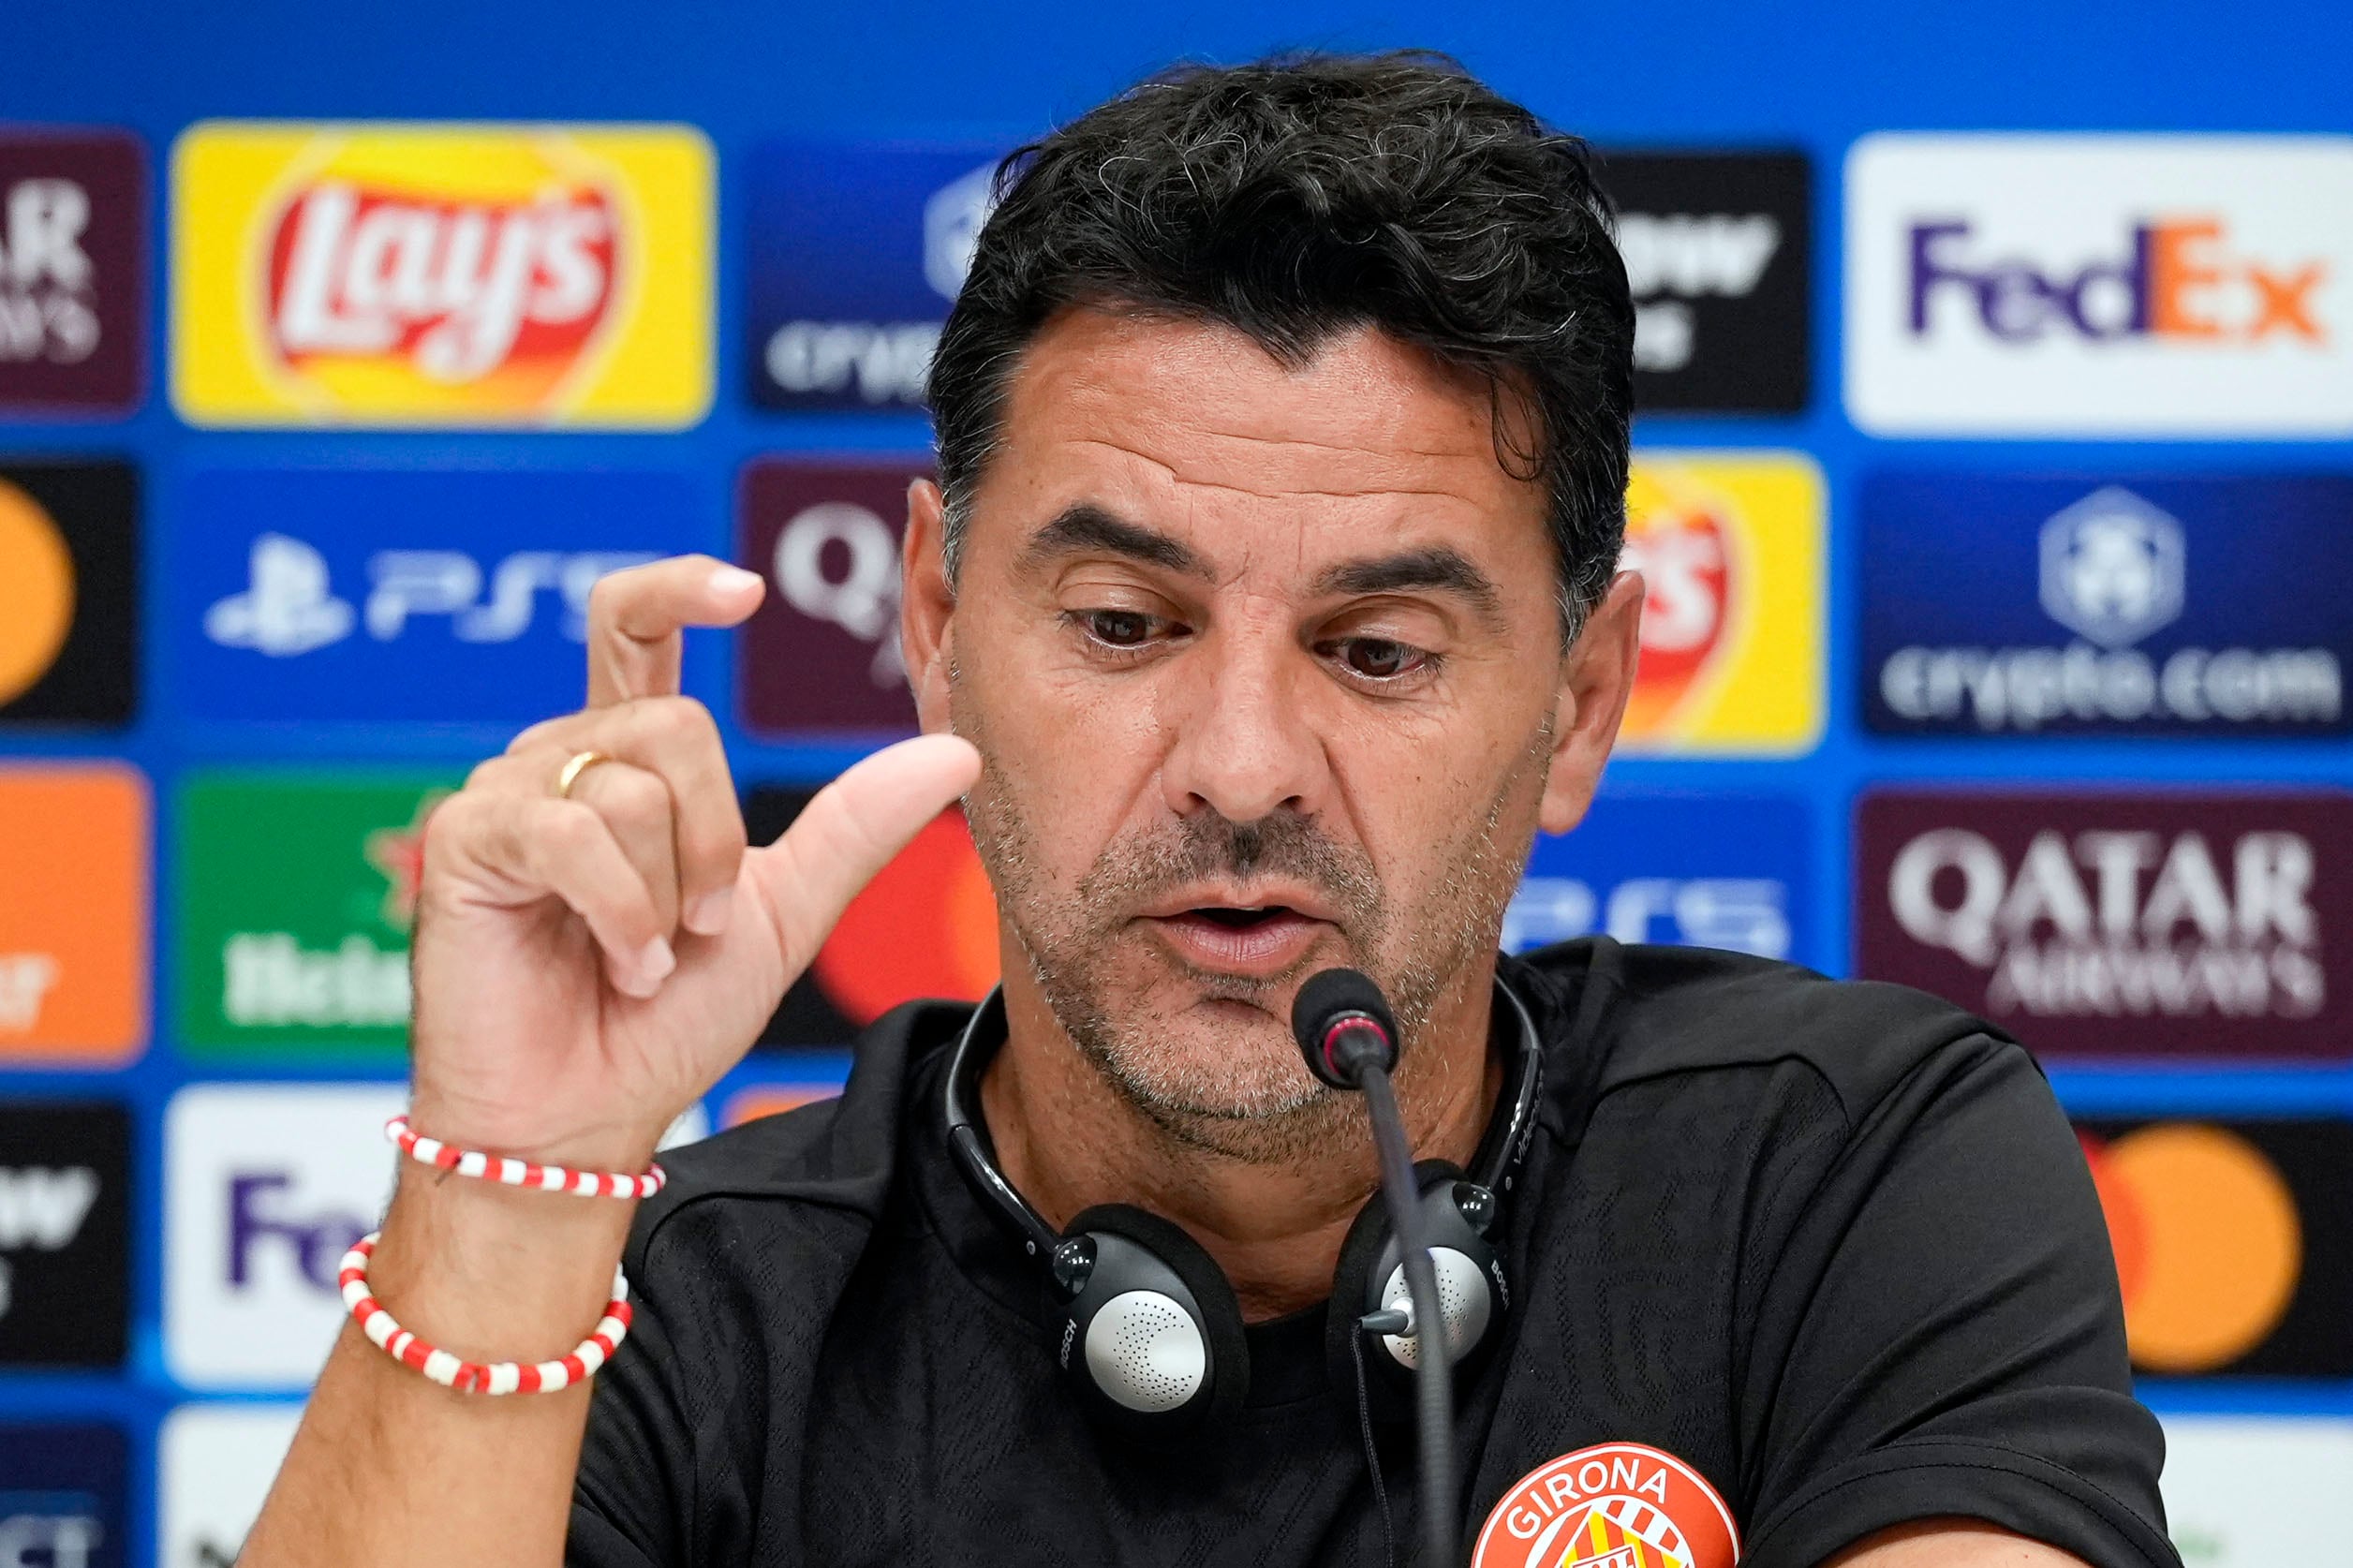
(1299, 197)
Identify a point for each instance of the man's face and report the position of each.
(1264, 666)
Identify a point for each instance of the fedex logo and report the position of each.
(2049, 286)
(252, 1239)
(2179, 278)
(263, 1218)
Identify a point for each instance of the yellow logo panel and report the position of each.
(1730, 545)
(386, 274)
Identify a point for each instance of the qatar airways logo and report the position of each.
(456, 289)
(2064, 285)
(2118, 924)
(2108, 921)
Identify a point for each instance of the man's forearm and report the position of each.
(392, 1469)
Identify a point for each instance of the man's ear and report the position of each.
(926, 605)
(1596, 678)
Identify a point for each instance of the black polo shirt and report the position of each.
(1795, 1258)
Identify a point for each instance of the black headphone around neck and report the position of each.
(1149, 1330)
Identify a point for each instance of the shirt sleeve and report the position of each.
(635, 1484)
(1944, 1334)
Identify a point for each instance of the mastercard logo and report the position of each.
(926, 926)
(2210, 1245)
(37, 592)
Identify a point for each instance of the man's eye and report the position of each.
(1121, 628)
(1378, 658)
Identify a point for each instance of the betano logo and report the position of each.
(73, 915)
(442, 275)
(1729, 545)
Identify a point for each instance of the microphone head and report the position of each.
(1343, 1008)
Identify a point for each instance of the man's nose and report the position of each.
(1245, 744)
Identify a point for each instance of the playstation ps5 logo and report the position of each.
(289, 607)
(2112, 568)
(953, 219)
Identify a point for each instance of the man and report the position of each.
(1263, 613)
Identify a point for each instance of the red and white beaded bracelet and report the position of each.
(475, 1376)
(522, 1172)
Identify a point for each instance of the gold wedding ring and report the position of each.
(580, 763)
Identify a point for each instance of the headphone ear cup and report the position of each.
(1152, 1344)
(1370, 1276)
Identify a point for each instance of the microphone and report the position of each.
(1348, 1038)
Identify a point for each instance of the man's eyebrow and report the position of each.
(1438, 566)
(1085, 528)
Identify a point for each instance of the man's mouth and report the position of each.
(1258, 939)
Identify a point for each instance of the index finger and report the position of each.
(636, 619)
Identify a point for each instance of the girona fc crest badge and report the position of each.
(1621, 1506)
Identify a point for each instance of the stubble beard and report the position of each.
(1246, 1096)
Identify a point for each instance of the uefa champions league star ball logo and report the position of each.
(2112, 568)
(1620, 1505)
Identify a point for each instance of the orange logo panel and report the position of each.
(442, 275)
(73, 921)
(1618, 1505)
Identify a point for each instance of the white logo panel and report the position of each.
(2100, 285)
(2249, 1491)
(214, 1464)
(267, 1186)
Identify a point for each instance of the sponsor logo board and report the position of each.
(1716, 247)
(2000, 604)
(2241, 1491)
(267, 1186)
(2100, 285)
(772, 1099)
(65, 1236)
(68, 593)
(215, 1466)
(1730, 547)
(404, 597)
(296, 892)
(821, 652)
(1616, 1505)
(63, 1495)
(73, 921)
(386, 274)
(1705, 871)
(73, 270)
(925, 926)
(856, 253)
(2234, 1244)
(2118, 926)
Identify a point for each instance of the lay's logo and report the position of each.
(442, 276)
(1729, 545)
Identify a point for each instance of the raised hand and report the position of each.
(595, 944)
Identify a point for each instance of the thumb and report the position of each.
(849, 831)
